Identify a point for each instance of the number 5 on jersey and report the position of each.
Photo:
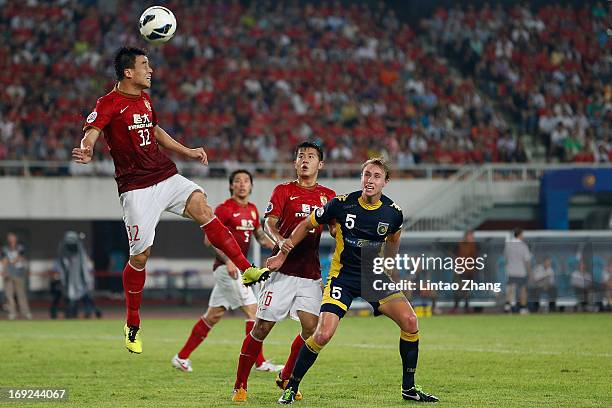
(336, 292)
(350, 221)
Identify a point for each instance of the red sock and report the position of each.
(198, 334)
(133, 282)
(260, 357)
(251, 347)
(297, 344)
(222, 239)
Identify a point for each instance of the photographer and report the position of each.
(76, 275)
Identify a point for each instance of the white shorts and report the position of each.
(283, 295)
(230, 293)
(142, 208)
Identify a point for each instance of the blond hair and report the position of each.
(380, 162)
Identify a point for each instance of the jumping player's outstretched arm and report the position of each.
(166, 141)
(84, 153)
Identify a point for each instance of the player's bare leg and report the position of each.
(134, 275)
(309, 323)
(400, 311)
(326, 328)
(510, 296)
(523, 300)
(200, 330)
(197, 209)
(251, 347)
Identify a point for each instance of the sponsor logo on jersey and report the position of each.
(245, 225)
(138, 118)
(306, 210)
(323, 200)
(382, 229)
(92, 116)
(140, 121)
(361, 243)
(293, 198)
(253, 214)
(148, 105)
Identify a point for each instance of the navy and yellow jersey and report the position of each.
(358, 225)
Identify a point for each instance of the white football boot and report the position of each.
(270, 367)
(181, 364)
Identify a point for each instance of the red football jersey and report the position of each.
(128, 122)
(291, 203)
(241, 220)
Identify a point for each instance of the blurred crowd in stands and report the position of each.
(249, 82)
(548, 68)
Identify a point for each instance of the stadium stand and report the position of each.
(549, 68)
(355, 78)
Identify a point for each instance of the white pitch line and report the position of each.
(352, 345)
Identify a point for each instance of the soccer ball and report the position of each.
(157, 24)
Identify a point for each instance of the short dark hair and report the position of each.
(236, 172)
(126, 58)
(517, 232)
(380, 162)
(306, 145)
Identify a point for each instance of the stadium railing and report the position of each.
(492, 171)
(565, 249)
(176, 279)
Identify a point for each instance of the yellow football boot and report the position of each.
(132, 339)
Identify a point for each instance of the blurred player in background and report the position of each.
(543, 282)
(606, 283)
(15, 272)
(296, 289)
(467, 249)
(518, 271)
(76, 275)
(365, 218)
(148, 181)
(242, 218)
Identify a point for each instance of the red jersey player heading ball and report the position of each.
(147, 179)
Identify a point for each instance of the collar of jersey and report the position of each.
(127, 95)
(239, 204)
(297, 184)
(369, 206)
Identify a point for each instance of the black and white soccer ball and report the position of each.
(157, 24)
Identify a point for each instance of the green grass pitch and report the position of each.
(467, 361)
